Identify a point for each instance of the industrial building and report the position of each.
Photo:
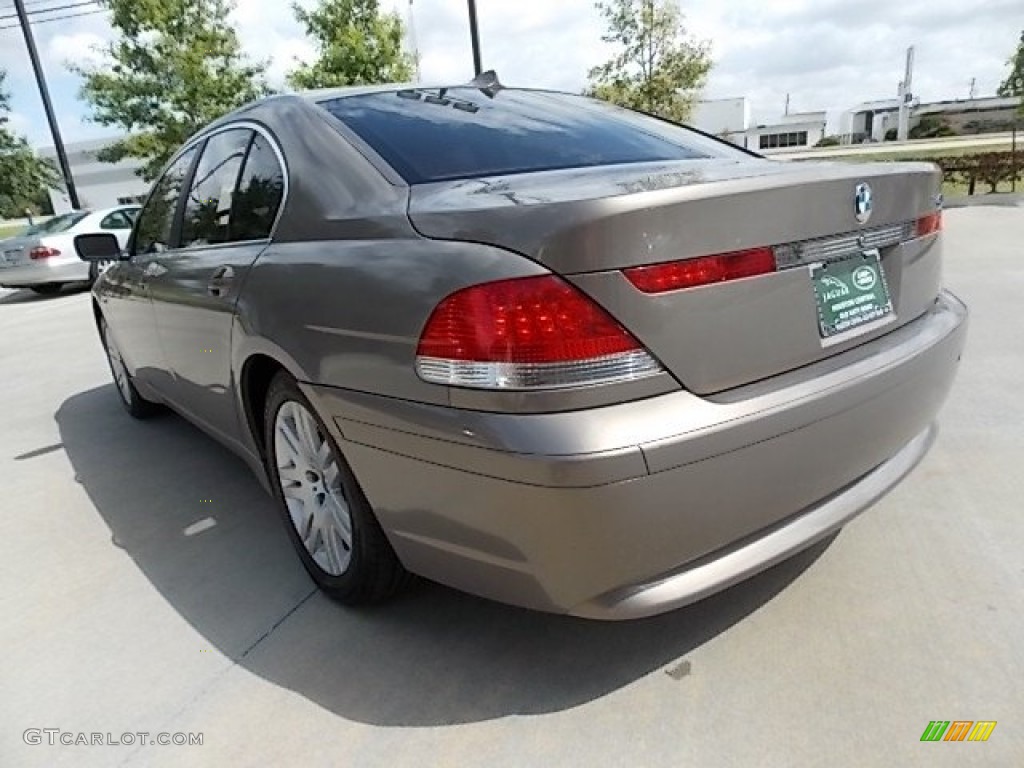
(731, 120)
(99, 184)
(873, 120)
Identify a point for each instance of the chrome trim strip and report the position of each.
(800, 254)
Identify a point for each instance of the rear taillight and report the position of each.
(690, 273)
(929, 225)
(42, 252)
(527, 333)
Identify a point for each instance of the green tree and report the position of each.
(24, 176)
(931, 127)
(1013, 85)
(356, 44)
(658, 68)
(175, 66)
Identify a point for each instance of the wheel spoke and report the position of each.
(331, 475)
(294, 491)
(290, 440)
(306, 430)
(323, 455)
(290, 474)
(309, 532)
(340, 517)
(334, 556)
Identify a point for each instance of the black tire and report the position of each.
(46, 289)
(373, 573)
(137, 406)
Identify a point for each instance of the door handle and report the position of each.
(220, 280)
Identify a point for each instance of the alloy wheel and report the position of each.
(311, 485)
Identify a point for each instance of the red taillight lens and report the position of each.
(42, 252)
(527, 333)
(690, 273)
(929, 225)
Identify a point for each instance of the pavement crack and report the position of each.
(217, 677)
(276, 624)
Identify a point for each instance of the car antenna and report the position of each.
(487, 82)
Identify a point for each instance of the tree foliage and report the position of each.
(356, 44)
(1013, 85)
(931, 127)
(992, 168)
(24, 176)
(658, 68)
(175, 66)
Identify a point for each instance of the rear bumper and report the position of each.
(639, 508)
(55, 270)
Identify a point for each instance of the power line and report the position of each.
(58, 18)
(50, 10)
(27, 3)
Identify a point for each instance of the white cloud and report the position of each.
(81, 48)
(18, 123)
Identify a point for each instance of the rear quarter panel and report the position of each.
(348, 313)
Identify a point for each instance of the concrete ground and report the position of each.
(147, 586)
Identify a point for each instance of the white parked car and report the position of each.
(43, 257)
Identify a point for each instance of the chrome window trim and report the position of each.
(256, 127)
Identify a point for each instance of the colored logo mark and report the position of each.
(958, 730)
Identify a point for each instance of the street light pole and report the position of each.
(474, 35)
(44, 92)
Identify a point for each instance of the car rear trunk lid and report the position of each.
(591, 224)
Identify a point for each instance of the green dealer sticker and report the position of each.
(850, 293)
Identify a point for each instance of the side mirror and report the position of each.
(98, 247)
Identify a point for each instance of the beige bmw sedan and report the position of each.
(533, 346)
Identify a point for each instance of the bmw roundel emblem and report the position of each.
(862, 202)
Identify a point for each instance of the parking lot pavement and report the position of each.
(149, 587)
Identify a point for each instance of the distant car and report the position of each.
(531, 345)
(43, 257)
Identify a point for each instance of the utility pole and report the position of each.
(787, 105)
(51, 118)
(974, 87)
(474, 35)
(906, 96)
(413, 43)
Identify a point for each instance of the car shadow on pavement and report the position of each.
(27, 296)
(205, 534)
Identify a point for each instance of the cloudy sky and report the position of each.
(827, 54)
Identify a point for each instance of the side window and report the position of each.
(156, 220)
(207, 217)
(116, 220)
(259, 193)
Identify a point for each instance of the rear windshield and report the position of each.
(57, 224)
(462, 133)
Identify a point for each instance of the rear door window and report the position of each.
(260, 191)
(207, 216)
(458, 133)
